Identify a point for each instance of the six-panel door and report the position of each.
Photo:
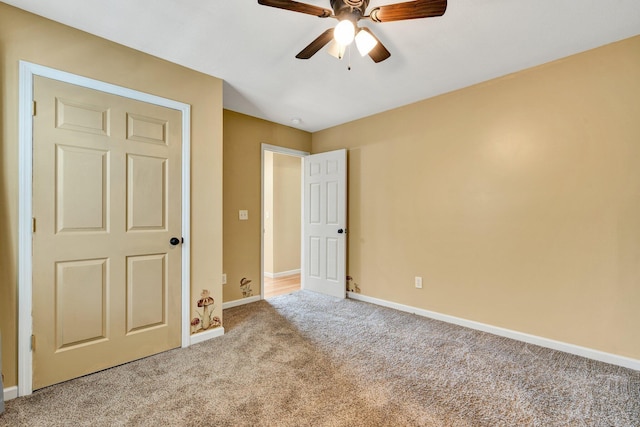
(106, 201)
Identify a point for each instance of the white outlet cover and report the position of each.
(243, 215)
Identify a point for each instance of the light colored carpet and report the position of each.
(304, 359)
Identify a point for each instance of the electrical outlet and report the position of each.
(243, 215)
(418, 282)
(224, 278)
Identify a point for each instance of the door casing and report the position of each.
(25, 212)
(279, 150)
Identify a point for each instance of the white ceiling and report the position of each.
(253, 47)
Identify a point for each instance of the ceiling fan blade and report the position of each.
(379, 53)
(316, 45)
(409, 10)
(298, 7)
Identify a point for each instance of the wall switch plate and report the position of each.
(418, 282)
(224, 279)
(243, 215)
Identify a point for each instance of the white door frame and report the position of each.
(25, 210)
(289, 152)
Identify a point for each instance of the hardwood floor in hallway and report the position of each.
(281, 285)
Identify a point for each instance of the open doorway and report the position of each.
(281, 218)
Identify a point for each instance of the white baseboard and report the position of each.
(281, 274)
(589, 353)
(10, 393)
(206, 335)
(241, 301)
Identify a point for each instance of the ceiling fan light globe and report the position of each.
(344, 32)
(336, 49)
(365, 42)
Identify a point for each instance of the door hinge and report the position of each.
(33, 343)
(33, 224)
(33, 111)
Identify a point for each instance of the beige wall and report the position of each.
(243, 136)
(282, 205)
(24, 36)
(282, 202)
(268, 209)
(287, 189)
(517, 201)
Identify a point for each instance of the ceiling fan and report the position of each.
(348, 13)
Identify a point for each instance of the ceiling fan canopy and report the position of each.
(354, 11)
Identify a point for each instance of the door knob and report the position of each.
(340, 231)
(174, 241)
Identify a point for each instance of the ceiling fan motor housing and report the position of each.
(349, 9)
